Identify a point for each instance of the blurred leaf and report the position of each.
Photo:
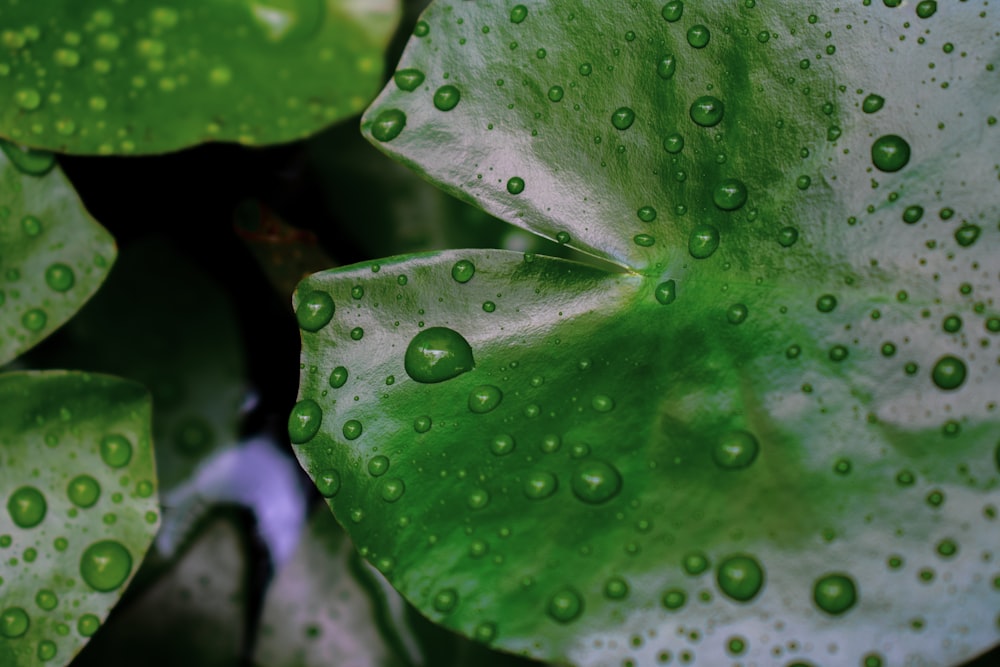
(53, 256)
(80, 510)
(89, 77)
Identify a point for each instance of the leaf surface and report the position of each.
(79, 491)
(772, 437)
(138, 78)
(53, 255)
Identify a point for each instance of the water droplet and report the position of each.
(707, 111)
(596, 481)
(835, 593)
(666, 67)
(586, 69)
(392, 489)
(352, 429)
(27, 98)
(389, 123)
(304, 421)
(66, 57)
(478, 499)
(46, 599)
(555, 93)
(672, 11)
(378, 465)
(14, 622)
(105, 565)
(27, 507)
(673, 599)
(518, 14)
(561, 237)
(694, 563)
(740, 577)
(463, 270)
(437, 354)
(703, 242)
(551, 443)
(565, 605)
(408, 79)
(803, 182)
(59, 277)
(698, 36)
(872, 103)
(314, 311)
(357, 333)
(446, 599)
(730, 194)
(622, 118)
(890, 153)
(787, 236)
(912, 214)
(485, 632)
(422, 424)
(673, 143)
(515, 185)
(646, 213)
(666, 292)
(34, 319)
(826, 303)
(616, 588)
(484, 398)
(735, 450)
(502, 445)
(539, 485)
(833, 133)
(29, 161)
(602, 403)
(447, 97)
(83, 491)
(357, 292)
(644, 240)
(328, 483)
(926, 8)
(949, 372)
(967, 234)
(952, 324)
(116, 450)
(947, 548)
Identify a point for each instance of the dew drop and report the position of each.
(672, 11)
(392, 489)
(422, 424)
(565, 605)
(29, 161)
(967, 234)
(352, 429)
(105, 565)
(666, 292)
(14, 622)
(46, 599)
(447, 97)
(735, 450)
(596, 481)
(484, 398)
(518, 14)
(707, 111)
(890, 153)
(698, 36)
(737, 313)
(304, 421)
(740, 577)
(872, 103)
(926, 8)
(328, 483)
(389, 123)
(539, 485)
(673, 143)
(667, 66)
(28, 99)
(912, 214)
(378, 465)
(314, 311)
(83, 491)
(949, 372)
(116, 450)
(787, 236)
(730, 194)
(437, 354)
(27, 507)
(673, 599)
(408, 79)
(59, 277)
(835, 593)
(478, 499)
(616, 588)
(644, 240)
(646, 214)
(694, 563)
(338, 377)
(502, 445)
(515, 185)
(622, 118)
(602, 403)
(555, 93)
(703, 242)
(34, 319)
(463, 270)
(826, 303)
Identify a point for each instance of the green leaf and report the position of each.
(773, 436)
(53, 255)
(80, 509)
(86, 77)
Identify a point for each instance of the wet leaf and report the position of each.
(773, 436)
(89, 77)
(53, 255)
(80, 509)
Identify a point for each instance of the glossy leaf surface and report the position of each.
(773, 436)
(53, 255)
(79, 491)
(89, 77)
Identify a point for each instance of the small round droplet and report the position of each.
(666, 67)
(826, 303)
(694, 563)
(872, 103)
(422, 424)
(34, 319)
(392, 489)
(644, 240)
(446, 599)
(835, 593)
(730, 194)
(666, 292)
(740, 577)
(602, 403)
(515, 185)
(596, 481)
(447, 97)
(565, 605)
(539, 485)
(707, 111)
(622, 118)
(14, 622)
(484, 398)
(949, 372)
(485, 632)
(926, 8)
(890, 153)
(672, 11)
(462, 271)
(46, 599)
(616, 588)
(967, 234)
(735, 450)
(737, 313)
(389, 123)
(912, 214)
(87, 625)
(28, 99)
(478, 499)
(555, 93)
(502, 445)
(352, 429)
(673, 599)
(105, 565)
(518, 14)
(304, 421)
(338, 377)
(698, 36)
(116, 450)
(83, 491)
(646, 214)
(314, 311)
(408, 79)
(437, 354)
(328, 483)
(378, 465)
(787, 236)
(703, 242)
(673, 143)
(27, 507)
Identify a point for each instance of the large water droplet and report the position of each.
(447, 97)
(83, 491)
(666, 67)
(740, 577)
(949, 372)
(707, 111)
(328, 483)
(27, 507)
(872, 103)
(926, 8)
(672, 11)
(105, 565)
(59, 277)
(408, 79)
(565, 605)
(484, 398)
(835, 593)
(315, 311)
(703, 242)
(890, 153)
(596, 481)
(437, 354)
(539, 485)
(304, 421)
(388, 124)
(666, 292)
(14, 622)
(735, 450)
(698, 36)
(518, 14)
(463, 270)
(116, 450)
(730, 194)
(622, 118)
